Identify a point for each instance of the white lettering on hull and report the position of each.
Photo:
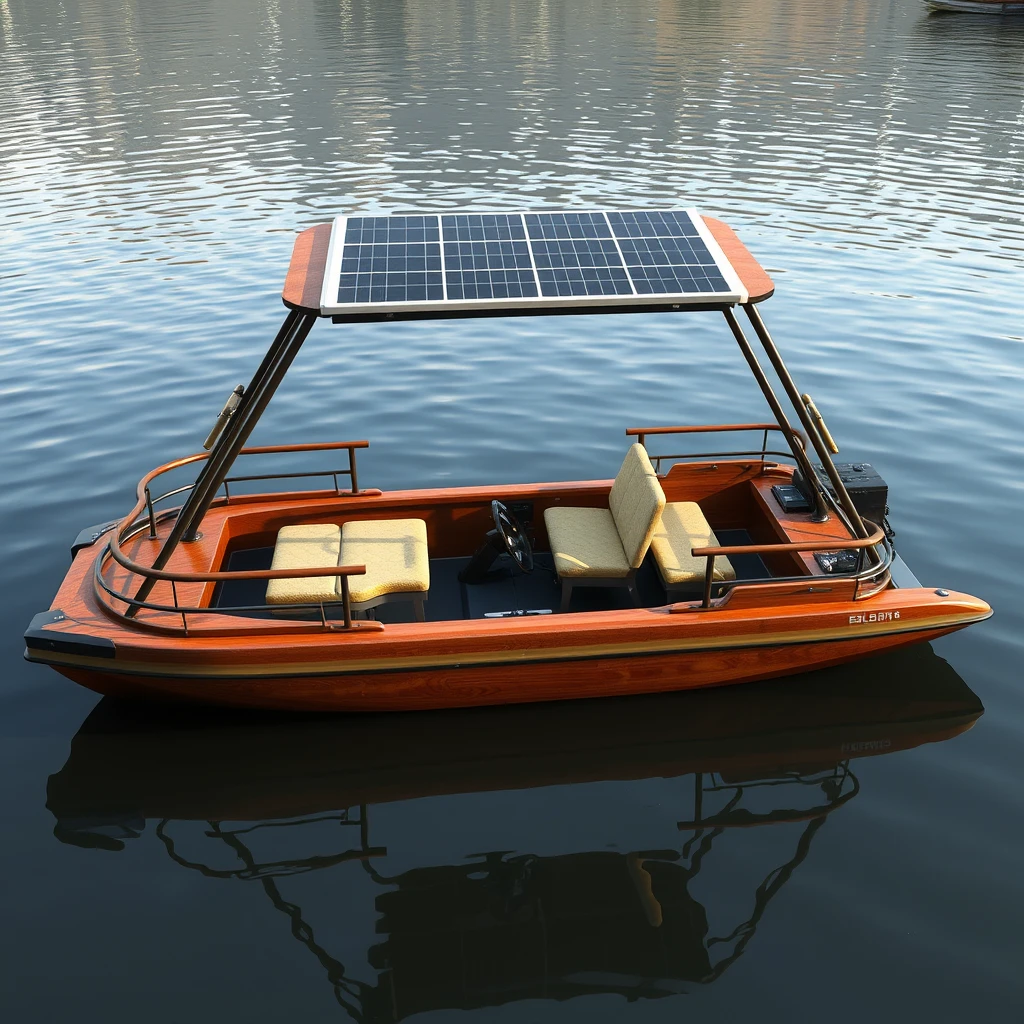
(868, 617)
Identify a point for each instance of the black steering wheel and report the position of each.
(513, 536)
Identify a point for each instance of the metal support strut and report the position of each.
(820, 509)
(257, 395)
(808, 423)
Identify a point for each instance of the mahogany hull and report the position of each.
(758, 631)
(477, 686)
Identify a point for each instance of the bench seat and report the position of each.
(604, 547)
(307, 546)
(394, 552)
(584, 542)
(681, 528)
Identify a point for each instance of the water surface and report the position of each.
(156, 160)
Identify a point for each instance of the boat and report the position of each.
(689, 569)
(338, 806)
(977, 6)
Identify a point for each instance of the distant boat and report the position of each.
(977, 6)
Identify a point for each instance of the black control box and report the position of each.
(868, 491)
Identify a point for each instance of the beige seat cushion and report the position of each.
(312, 546)
(683, 527)
(636, 501)
(394, 552)
(584, 542)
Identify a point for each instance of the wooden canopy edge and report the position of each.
(305, 280)
(758, 284)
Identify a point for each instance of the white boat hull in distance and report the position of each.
(977, 6)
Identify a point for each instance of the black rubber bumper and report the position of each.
(42, 640)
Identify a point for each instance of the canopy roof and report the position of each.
(461, 264)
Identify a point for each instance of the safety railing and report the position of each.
(877, 574)
(145, 493)
(342, 572)
(642, 433)
(145, 515)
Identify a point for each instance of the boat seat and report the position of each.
(308, 546)
(681, 528)
(394, 552)
(604, 547)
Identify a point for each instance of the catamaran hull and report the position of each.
(571, 673)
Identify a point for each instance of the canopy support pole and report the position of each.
(264, 383)
(808, 423)
(820, 509)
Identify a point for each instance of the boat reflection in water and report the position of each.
(254, 799)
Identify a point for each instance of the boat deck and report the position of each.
(506, 593)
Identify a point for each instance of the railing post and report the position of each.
(346, 603)
(709, 576)
(352, 470)
(152, 515)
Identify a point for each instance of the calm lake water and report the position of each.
(545, 864)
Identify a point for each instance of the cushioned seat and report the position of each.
(584, 542)
(683, 527)
(394, 552)
(600, 547)
(309, 546)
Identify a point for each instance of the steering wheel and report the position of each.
(513, 536)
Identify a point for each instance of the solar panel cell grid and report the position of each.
(575, 254)
(492, 284)
(585, 281)
(653, 224)
(364, 230)
(664, 251)
(481, 227)
(679, 280)
(567, 225)
(479, 257)
(391, 259)
(581, 252)
(486, 257)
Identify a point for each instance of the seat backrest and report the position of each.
(636, 502)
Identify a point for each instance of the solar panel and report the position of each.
(575, 254)
(390, 260)
(486, 256)
(489, 263)
(665, 252)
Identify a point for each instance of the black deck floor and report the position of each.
(506, 590)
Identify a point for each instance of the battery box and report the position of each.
(868, 491)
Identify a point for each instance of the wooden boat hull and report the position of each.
(320, 681)
(760, 630)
